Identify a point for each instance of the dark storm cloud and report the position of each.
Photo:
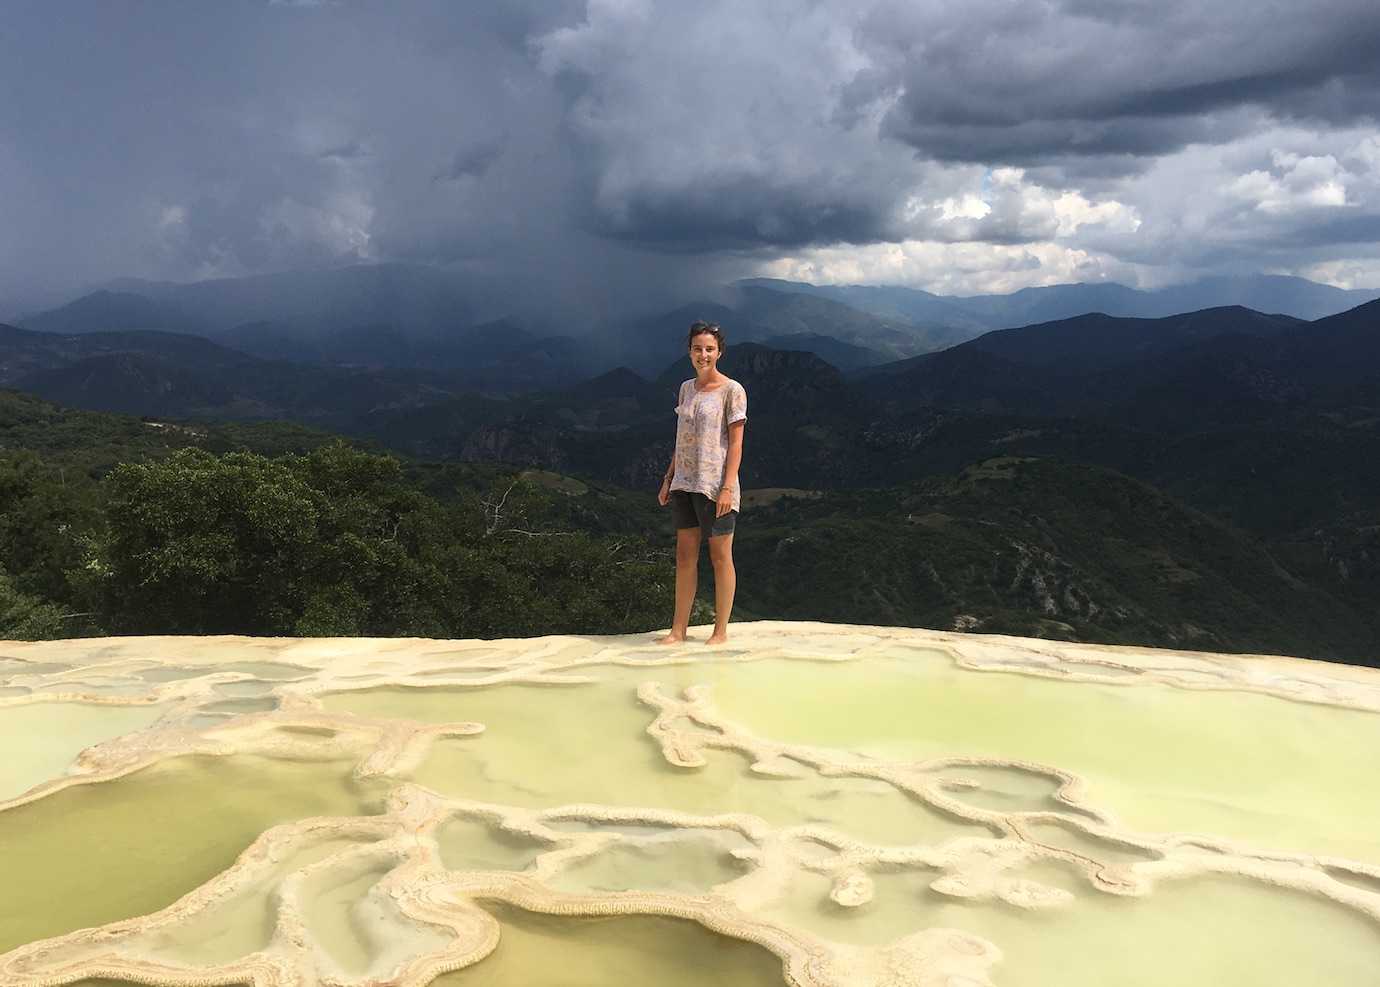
(782, 126)
(1318, 228)
(584, 154)
(1114, 145)
(743, 212)
(473, 160)
(705, 127)
(1021, 83)
(346, 152)
(181, 141)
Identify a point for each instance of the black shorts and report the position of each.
(695, 510)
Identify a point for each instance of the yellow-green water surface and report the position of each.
(542, 951)
(1002, 789)
(244, 922)
(546, 746)
(95, 853)
(1199, 932)
(1277, 773)
(691, 863)
(360, 926)
(40, 740)
(472, 844)
(333, 916)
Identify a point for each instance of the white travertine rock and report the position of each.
(999, 819)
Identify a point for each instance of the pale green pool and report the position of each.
(542, 951)
(546, 746)
(40, 741)
(1162, 758)
(100, 852)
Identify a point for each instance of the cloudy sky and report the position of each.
(588, 153)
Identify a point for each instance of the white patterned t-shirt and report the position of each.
(703, 418)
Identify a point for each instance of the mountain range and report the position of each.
(404, 316)
(415, 299)
(1213, 368)
(1218, 366)
(1298, 297)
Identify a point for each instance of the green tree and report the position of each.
(204, 544)
(45, 509)
(337, 543)
(27, 618)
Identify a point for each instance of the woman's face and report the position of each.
(704, 352)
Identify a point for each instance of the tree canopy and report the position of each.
(331, 542)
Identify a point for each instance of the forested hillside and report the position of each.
(115, 525)
(110, 524)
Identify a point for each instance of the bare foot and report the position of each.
(672, 638)
(718, 637)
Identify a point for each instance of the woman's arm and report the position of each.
(731, 461)
(663, 495)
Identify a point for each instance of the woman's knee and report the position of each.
(721, 551)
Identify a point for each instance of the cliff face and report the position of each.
(827, 804)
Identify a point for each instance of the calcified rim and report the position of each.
(430, 899)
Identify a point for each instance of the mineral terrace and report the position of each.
(816, 805)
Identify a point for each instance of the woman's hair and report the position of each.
(698, 328)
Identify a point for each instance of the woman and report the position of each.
(701, 484)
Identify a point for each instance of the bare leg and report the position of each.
(687, 575)
(725, 582)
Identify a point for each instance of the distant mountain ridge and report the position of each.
(1222, 365)
(150, 372)
(413, 298)
(410, 316)
(822, 326)
(1275, 294)
(112, 311)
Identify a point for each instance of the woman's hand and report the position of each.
(725, 502)
(663, 496)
